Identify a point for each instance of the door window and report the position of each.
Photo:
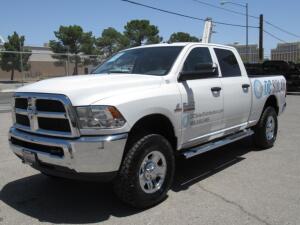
(198, 56)
(228, 63)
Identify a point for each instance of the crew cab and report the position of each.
(141, 108)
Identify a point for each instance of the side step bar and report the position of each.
(216, 144)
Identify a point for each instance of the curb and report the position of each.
(7, 90)
(5, 109)
(293, 93)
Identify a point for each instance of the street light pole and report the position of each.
(247, 34)
(21, 62)
(68, 59)
(247, 24)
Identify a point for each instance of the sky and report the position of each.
(38, 19)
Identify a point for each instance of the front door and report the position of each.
(202, 100)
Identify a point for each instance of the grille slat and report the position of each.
(22, 120)
(46, 105)
(21, 103)
(54, 124)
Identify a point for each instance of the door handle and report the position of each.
(216, 89)
(244, 86)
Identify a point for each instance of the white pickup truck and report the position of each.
(128, 120)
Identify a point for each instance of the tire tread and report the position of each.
(124, 183)
(259, 136)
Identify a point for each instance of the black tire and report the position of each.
(51, 176)
(127, 185)
(260, 136)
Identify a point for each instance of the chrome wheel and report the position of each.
(270, 128)
(152, 172)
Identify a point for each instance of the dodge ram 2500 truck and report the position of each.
(128, 120)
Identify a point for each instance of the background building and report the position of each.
(253, 52)
(42, 65)
(289, 52)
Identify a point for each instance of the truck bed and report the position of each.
(263, 75)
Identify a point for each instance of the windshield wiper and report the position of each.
(118, 71)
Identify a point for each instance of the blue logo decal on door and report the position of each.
(258, 89)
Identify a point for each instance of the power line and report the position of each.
(216, 22)
(224, 9)
(183, 15)
(255, 17)
(281, 29)
(243, 14)
(274, 36)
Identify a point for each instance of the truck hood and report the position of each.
(87, 89)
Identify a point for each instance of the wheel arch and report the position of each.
(272, 101)
(153, 123)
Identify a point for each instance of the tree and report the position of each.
(141, 32)
(182, 37)
(72, 40)
(111, 41)
(15, 61)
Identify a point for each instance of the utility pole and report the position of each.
(208, 30)
(261, 37)
(2, 41)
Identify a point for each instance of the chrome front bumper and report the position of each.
(90, 154)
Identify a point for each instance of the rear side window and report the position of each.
(228, 64)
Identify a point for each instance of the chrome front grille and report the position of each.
(48, 114)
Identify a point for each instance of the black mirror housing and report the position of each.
(202, 70)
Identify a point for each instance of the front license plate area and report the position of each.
(29, 157)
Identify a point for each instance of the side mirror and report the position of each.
(202, 70)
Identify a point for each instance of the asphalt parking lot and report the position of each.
(236, 184)
(5, 101)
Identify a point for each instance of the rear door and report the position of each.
(236, 90)
(202, 99)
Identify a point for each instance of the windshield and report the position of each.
(152, 61)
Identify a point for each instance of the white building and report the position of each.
(289, 52)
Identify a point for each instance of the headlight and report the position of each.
(99, 117)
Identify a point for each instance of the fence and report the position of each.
(44, 64)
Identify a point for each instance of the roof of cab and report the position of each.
(183, 44)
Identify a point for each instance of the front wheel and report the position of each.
(146, 173)
(266, 129)
(51, 176)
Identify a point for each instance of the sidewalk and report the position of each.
(5, 102)
(9, 86)
(5, 108)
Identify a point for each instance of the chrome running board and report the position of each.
(216, 144)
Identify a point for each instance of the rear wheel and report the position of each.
(266, 129)
(146, 173)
